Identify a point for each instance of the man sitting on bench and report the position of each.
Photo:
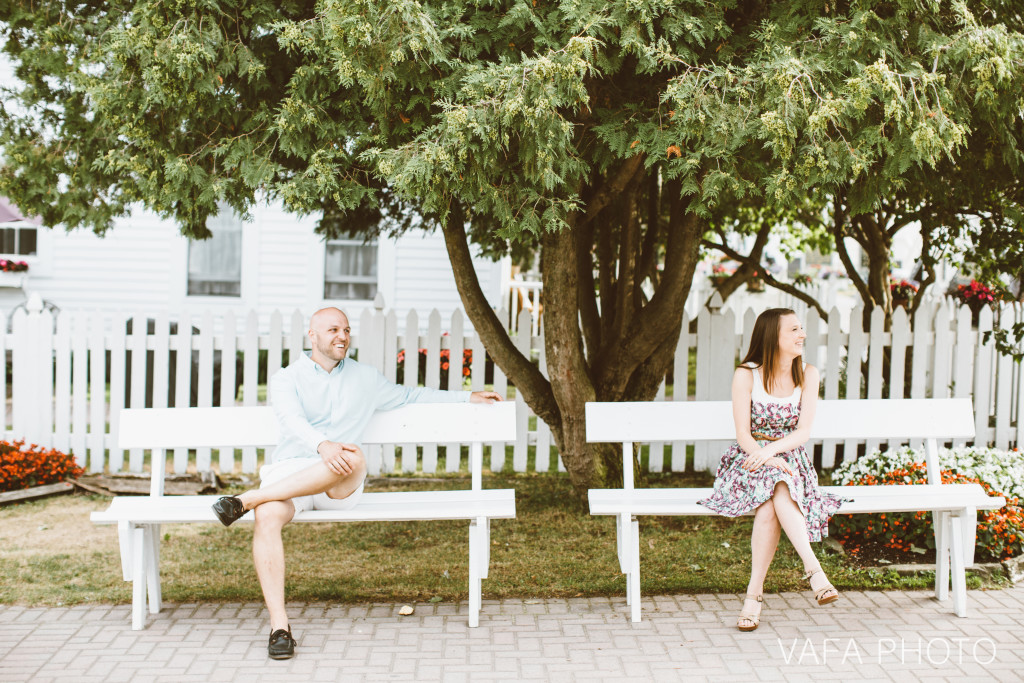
(323, 402)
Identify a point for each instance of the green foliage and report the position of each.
(365, 108)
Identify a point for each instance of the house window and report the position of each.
(350, 270)
(18, 241)
(215, 264)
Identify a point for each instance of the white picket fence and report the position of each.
(70, 375)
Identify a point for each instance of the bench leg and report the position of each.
(941, 524)
(633, 578)
(124, 540)
(959, 571)
(970, 524)
(622, 532)
(622, 542)
(477, 537)
(153, 568)
(138, 578)
(485, 562)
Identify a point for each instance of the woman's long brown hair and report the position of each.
(764, 348)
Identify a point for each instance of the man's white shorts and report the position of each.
(276, 471)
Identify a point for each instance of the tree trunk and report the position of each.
(629, 340)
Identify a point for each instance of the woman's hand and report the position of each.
(757, 458)
(779, 463)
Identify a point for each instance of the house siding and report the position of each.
(140, 267)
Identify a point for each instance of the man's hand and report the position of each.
(336, 456)
(485, 397)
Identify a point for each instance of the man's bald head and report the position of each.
(330, 336)
(326, 316)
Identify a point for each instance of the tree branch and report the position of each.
(590, 317)
(664, 313)
(523, 373)
(838, 230)
(612, 188)
(769, 278)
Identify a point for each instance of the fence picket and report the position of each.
(876, 357)
(411, 347)
(500, 387)
(161, 343)
(433, 380)
(4, 424)
(19, 367)
(386, 453)
(117, 378)
(456, 343)
(703, 385)
(963, 361)
(97, 389)
(80, 390)
(250, 381)
(680, 386)
(204, 456)
(983, 378)
(520, 451)
(1003, 377)
(656, 451)
(920, 357)
(228, 355)
(137, 389)
(542, 457)
(830, 375)
(898, 358)
(182, 344)
(854, 358)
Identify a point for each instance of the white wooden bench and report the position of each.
(954, 506)
(139, 517)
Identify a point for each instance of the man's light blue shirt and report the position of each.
(313, 405)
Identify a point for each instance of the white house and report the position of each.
(273, 262)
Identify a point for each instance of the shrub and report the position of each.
(21, 468)
(1000, 532)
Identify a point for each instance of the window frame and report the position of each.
(375, 245)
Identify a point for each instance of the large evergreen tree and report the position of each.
(605, 134)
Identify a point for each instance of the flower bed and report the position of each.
(1000, 532)
(467, 362)
(22, 468)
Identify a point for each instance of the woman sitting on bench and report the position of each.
(767, 470)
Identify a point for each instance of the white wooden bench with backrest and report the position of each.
(139, 517)
(954, 506)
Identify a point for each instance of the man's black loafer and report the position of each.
(228, 509)
(282, 645)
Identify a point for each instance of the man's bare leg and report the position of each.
(310, 481)
(274, 509)
(268, 556)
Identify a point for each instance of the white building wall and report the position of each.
(141, 267)
(424, 278)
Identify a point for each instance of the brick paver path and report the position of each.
(902, 636)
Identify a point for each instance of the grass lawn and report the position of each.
(54, 555)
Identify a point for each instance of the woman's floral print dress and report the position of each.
(738, 491)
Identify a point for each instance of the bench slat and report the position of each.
(391, 506)
(238, 427)
(644, 421)
(865, 499)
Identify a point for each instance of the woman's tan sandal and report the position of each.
(827, 593)
(749, 616)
